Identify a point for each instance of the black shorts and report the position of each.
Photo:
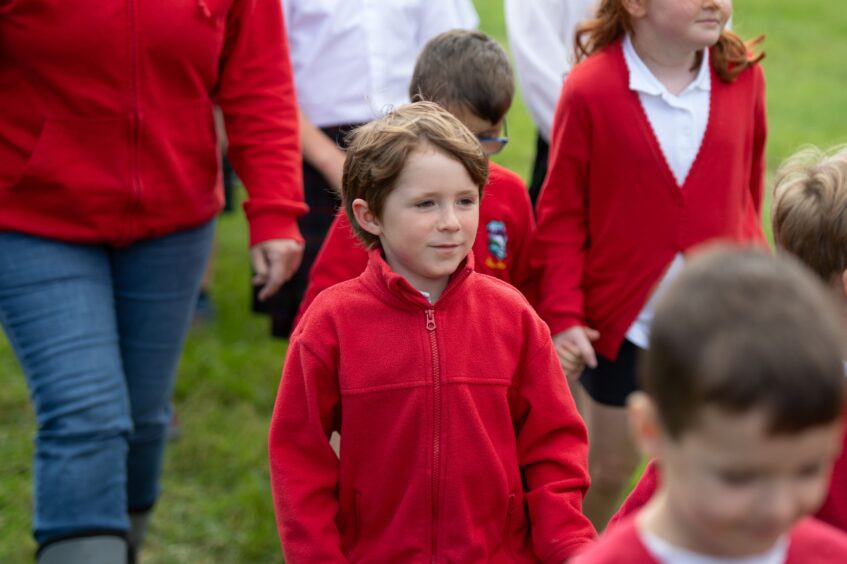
(613, 380)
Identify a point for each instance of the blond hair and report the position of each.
(809, 212)
(378, 152)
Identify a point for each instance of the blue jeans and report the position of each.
(98, 333)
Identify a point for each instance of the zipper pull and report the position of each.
(430, 320)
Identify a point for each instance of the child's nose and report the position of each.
(782, 506)
(449, 220)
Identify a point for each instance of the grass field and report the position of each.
(216, 505)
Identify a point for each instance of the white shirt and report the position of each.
(679, 124)
(353, 59)
(541, 37)
(666, 553)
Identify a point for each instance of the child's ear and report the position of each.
(844, 283)
(644, 423)
(366, 218)
(635, 8)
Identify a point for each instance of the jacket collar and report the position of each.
(379, 276)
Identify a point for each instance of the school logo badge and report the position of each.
(497, 240)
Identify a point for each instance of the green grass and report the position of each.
(216, 505)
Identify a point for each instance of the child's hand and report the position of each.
(573, 346)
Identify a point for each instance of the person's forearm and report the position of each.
(321, 152)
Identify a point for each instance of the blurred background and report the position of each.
(217, 504)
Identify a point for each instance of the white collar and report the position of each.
(641, 78)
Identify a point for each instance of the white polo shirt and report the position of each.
(353, 59)
(679, 124)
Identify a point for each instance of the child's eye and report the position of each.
(424, 204)
(737, 478)
(467, 201)
(810, 471)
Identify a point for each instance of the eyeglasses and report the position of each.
(493, 145)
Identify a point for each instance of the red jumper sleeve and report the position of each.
(552, 446)
(561, 236)
(304, 469)
(758, 161)
(342, 257)
(256, 94)
(521, 241)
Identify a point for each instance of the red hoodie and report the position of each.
(106, 132)
(809, 542)
(457, 428)
(502, 240)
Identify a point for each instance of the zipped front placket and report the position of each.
(436, 426)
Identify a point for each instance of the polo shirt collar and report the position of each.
(641, 79)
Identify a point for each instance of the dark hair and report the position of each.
(378, 152)
(464, 69)
(739, 330)
(730, 55)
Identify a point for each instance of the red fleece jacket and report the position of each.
(502, 240)
(611, 216)
(106, 132)
(460, 441)
(810, 542)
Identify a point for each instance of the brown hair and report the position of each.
(464, 69)
(730, 55)
(809, 212)
(739, 330)
(378, 152)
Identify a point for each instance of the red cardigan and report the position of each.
(106, 132)
(457, 428)
(810, 542)
(611, 216)
(501, 247)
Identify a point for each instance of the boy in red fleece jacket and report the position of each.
(742, 409)
(460, 441)
(809, 200)
(469, 74)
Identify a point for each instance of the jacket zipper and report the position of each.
(436, 430)
(135, 121)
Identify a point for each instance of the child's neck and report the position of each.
(670, 64)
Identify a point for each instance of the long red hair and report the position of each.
(730, 55)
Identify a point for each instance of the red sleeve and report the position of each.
(522, 240)
(639, 496)
(552, 446)
(758, 162)
(342, 257)
(834, 510)
(304, 469)
(562, 232)
(256, 94)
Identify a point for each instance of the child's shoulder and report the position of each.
(505, 188)
(327, 305)
(815, 541)
(500, 296)
(600, 67)
(504, 178)
(618, 545)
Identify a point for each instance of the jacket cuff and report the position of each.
(274, 221)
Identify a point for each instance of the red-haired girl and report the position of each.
(657, 146)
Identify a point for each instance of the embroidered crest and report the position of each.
(497, 241)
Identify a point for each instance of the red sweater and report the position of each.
(502, 240)
(611, 216)
(833, 511)
(810, 542)
(106, 132)
(459, 439)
